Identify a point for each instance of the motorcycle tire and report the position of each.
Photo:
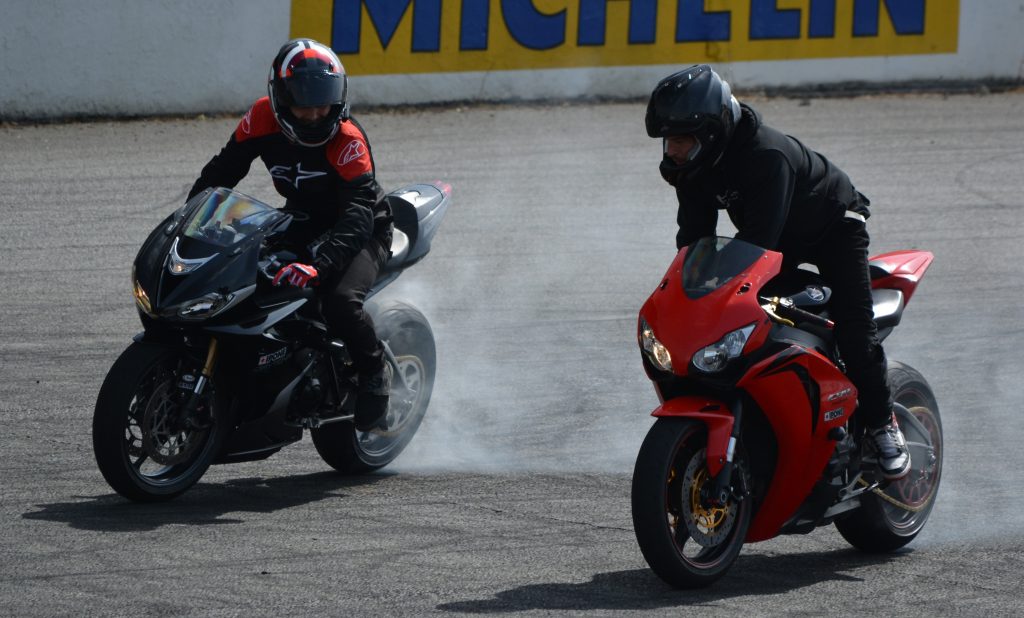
(686, 543)
(142, 449)
(411, 340)
(890, 518)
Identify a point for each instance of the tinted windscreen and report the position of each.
(227, 217)
(711, 262)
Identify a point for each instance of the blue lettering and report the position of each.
(531, 28)
(385, 16)
(768, 22)
(594, 20)
(907, 16)
(823, 19)
(693, 24)
(476, 15)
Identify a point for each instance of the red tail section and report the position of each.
(900, 270)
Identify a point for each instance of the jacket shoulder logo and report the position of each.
(247, 122)
(728, 197)
(353, 151)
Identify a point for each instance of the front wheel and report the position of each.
(411, 340)
(889, 519)
(688, 542)
(144, 447)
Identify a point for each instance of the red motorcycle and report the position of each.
(756, 433)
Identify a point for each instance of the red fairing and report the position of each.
(806, 397)
(712, 413)
(685, 325)
(905, 270)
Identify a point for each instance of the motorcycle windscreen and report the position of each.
(711, 262)
(227, 217)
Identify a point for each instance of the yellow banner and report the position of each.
(425, 36)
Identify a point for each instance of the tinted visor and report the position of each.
(314, 89)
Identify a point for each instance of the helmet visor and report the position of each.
(314, 89)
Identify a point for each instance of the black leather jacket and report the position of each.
(778, 193)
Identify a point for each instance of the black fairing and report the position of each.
(230, 267)
(226, 271)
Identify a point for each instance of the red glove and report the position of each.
(299, 275)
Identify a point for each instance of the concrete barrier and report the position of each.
(62, 58)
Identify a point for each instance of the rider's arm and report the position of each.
(767, 193)
(335, 249)
(229, 167)
(696, 219)
(357, 193)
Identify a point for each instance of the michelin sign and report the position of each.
(425, 36)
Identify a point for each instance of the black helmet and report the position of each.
(697, 102)
(308, 74)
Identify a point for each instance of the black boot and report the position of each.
(372, 403)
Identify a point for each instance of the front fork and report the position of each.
(721, 487)
(190, 410)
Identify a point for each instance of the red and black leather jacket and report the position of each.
(334, 184)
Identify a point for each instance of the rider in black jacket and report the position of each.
(782, 196)
(321, 163)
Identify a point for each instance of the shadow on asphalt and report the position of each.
(203, 504)
(641, 589)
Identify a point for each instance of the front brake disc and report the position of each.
(164, 437)
(708, 526)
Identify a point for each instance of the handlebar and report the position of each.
(783, 310)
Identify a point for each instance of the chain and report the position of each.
(906, 507)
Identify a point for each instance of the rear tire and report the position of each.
(687, 544)
(411, 340)
(143, 450)
(889, 520)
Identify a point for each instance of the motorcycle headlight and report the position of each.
(203, 307)
(211, 304)
(141, 298)
(715, 357)
(657, 353)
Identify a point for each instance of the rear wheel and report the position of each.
(411, 340)
(144, 447)
(688, 542)
(889, 519)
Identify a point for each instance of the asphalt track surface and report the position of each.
(514, 497)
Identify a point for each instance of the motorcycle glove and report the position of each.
(299, 275)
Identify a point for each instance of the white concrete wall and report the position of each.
(66, 58)
(135, 57)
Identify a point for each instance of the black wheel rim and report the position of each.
(907, 503)
(159, 449)
(406, 405)
(705, 536)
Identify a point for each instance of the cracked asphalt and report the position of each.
(514, 497)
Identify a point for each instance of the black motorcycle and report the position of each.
(231, 368)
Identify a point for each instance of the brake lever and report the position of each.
(269, 267)
(776, 306)
(771, 308)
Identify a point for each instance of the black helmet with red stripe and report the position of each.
(308, 74)
(695, 101)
